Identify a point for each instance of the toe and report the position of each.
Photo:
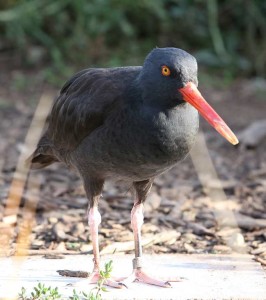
(114, 284)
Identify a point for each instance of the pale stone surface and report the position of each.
(207, 276)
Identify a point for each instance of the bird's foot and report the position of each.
(141, 276)
(94, 277)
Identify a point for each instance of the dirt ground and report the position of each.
(180, 214)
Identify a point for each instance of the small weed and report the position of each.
(95, 293)
(22, 294)
(104, 275)
(82, 296)
(41, 292)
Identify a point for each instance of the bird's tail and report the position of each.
(39, 160)
(43, 155)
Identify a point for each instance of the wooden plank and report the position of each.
(207, 276)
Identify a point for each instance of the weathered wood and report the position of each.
(207, 276)
(70, 273)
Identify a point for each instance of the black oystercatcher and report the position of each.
(128, 123)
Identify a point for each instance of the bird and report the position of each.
(126, 123)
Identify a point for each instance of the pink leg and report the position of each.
(94, 222)
(137, 219)
(138, 274)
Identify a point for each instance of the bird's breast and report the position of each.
(172, 133)
(139, 145)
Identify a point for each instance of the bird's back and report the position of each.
(84, 102)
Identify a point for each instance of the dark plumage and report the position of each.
(97, 121)
(129, 123)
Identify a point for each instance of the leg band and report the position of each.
(137, 263)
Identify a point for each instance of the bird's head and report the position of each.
(169, 78)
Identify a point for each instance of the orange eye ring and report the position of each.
(165, 71)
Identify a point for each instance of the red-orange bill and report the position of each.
(192, 95)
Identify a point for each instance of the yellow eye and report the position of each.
(165, 71)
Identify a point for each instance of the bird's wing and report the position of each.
(84, 103)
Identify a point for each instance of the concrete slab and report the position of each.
(207, 276)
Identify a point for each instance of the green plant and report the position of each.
(95, 294)
(75, 296)
(22, 295)
(221, 34)
(41, 292)
(82, 296)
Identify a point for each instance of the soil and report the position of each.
(183, 214)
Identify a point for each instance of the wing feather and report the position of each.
(84, 102)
